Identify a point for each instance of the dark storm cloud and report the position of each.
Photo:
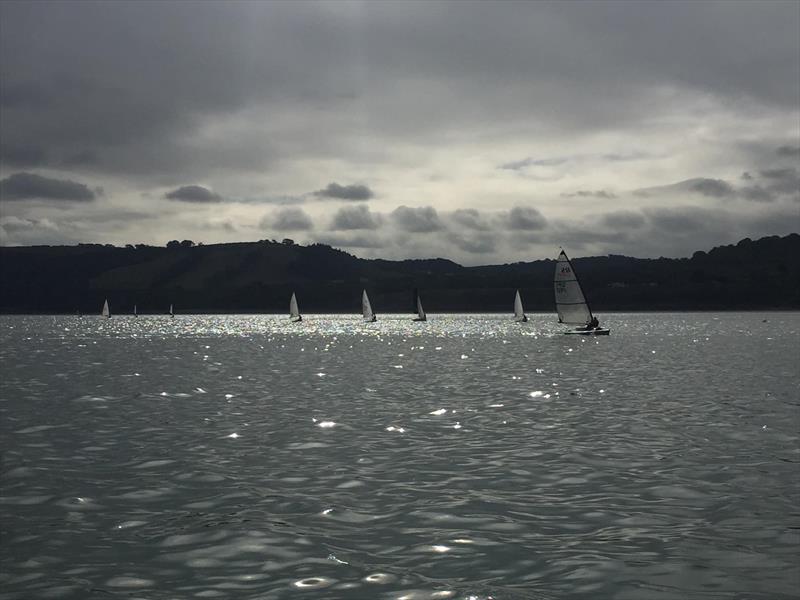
(623, 219)
(590, 194)
(288, 219)
(23, 155)
(129, 85)
(423, 219)
(790, 151)
(525, 218)
(193, 193)
(469, 218)
(355, 192)
(29, 186)
(355, 217)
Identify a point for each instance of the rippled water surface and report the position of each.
(466, 457)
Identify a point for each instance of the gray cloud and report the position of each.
(355, 217)
(623, 219)
(478, 243)
(423, 219)
(519, 165)
(525, 218)
(469, 218)
(756, 193)
(288, 219)
(29, 186)
(590, 194)
(713, 188)
(193, 193)
(790, 151)
(355, 192)
(685, 220)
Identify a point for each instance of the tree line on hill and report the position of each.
(260, 277)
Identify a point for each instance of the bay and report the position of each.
(466, 457)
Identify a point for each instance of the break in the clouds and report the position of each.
(193, 193)
(335, 191)
(470, 119)
(30, 186)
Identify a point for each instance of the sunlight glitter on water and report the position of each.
(600, 492)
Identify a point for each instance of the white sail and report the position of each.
(171, 312)
(366, 308)
(294, 312)
(106, 311)
(570, 301)
(519, 312)
(135, 314)
(420, 311)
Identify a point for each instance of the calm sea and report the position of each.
(467, 457)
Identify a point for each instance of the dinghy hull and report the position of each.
(600, 331)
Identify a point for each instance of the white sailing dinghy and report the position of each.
(571, 303)
(420, 311)
(106, 312)
(294, 312)
(519, 312)
(135, 314)
(171, 312)
(366, 309)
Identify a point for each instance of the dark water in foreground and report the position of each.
(469, 457)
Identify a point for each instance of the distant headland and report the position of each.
(261, 276)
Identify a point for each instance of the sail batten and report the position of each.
(570, 302)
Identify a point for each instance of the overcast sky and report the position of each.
(480, 132)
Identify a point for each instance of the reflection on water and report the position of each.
(466, 457)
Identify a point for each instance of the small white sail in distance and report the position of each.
(366, 309)
(420, 311)
(106, 312)
(294, 311)
(519, 312)
(135, 313)
(171, 312)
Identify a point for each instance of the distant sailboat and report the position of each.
(571, 303)
(366, 309)
(294, 312)
(420, 311)
(135, 314)
(519, 312)
(171, 312)
(106, 312)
